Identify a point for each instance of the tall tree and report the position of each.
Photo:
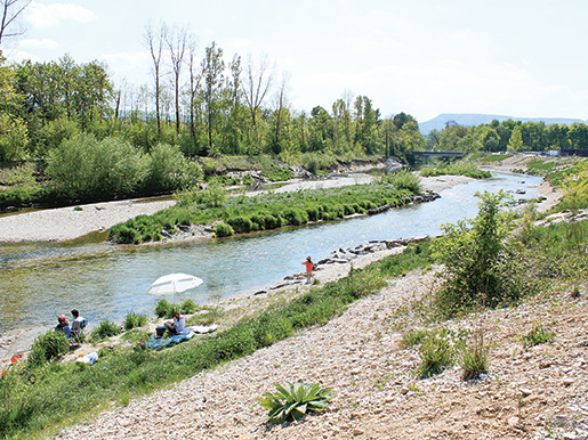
(154, 39)
(11, 10)
(258, 80)
(177, 40)
(516, 140)
(194, 81)
(279, 115)
(213, 67)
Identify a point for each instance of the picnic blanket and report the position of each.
(160, 343)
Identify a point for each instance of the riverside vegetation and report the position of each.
(242, 214)
(37, 396)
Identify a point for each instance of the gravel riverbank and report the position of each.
(527, 394)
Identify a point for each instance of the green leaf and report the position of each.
(289, 407)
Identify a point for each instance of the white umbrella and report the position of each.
(174, 283)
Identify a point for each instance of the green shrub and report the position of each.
(240, 225)
(294, 401)
(404, 179)
(106, 329)
(84, 167)
(276, 173)
(51, 345)
(188, 307)
(133, 320)
(164, 309)
(223, 230)
(295, 216)
(475, 259)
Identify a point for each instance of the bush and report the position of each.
(164, 309)
(188, 307)
(51, 345)
(404, 179)
(223, 230)
(240, 224)
(414, 337)
(106, 329)
(474, 258)
(134, 320)
(83, 167)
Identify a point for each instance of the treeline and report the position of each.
(509, 135)
(213, 108)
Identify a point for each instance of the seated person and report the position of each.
(177, 326)
(78, 324)
(63, 326)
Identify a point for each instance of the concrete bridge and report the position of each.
(418, 156)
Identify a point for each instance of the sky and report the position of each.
(423, 57)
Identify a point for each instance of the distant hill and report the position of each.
(471, 119)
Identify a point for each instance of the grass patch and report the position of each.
(436, 352)
(495, 158)
(106, 329)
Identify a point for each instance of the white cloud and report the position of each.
(132, 66)
(38, 44)
(44, 16)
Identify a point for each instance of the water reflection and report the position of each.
(41, 281)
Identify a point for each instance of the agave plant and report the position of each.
(294, 401)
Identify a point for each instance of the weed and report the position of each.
(538, 335)
(436, 353)
(474, 357)
(133, 320)
(164, 309)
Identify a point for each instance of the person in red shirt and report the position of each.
(309, 268)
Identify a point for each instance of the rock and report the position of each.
(513, 421)
(358, 431)
(378, 210)
(526, 392)
(568, 381)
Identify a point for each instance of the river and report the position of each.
(40, 281)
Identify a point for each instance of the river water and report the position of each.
(40, 281)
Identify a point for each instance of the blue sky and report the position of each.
(424, 57)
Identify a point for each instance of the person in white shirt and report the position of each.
(78, 323)
(177, 326)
